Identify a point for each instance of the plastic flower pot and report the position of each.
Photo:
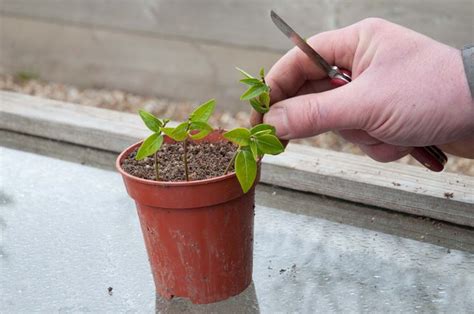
(198, 234)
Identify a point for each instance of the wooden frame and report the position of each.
(409, 189)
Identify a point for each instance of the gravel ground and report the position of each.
(123, 101)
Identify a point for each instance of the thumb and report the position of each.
(313, 114)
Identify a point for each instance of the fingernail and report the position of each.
(277, 117)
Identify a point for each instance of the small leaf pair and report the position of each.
(152, 143)
(253, 144)
(196, 126)
(258, 93)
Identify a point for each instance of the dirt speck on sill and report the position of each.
(449, 195)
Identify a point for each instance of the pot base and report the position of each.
(204, 254)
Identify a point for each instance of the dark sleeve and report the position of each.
(468, 59)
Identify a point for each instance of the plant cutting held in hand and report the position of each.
(195, 127)
(152, 144)
(258, 93)
(259, 140)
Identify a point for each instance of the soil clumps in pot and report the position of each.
(205, 160)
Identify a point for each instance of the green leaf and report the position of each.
(203, 112)
(152, 122)
(269, 144)
(244, 73)
(254, 150)
(180, 133)
(251, 81)
(255, 103)
(168, 131)
(263, 132)
(203, 127)
(149, 146)
(245, 169)
(254, 91)
(239, 136)
(262, 73)
(263, 127)
(265, 100)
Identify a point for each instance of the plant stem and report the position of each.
(156, 167)
(231, 161)
(185, 158)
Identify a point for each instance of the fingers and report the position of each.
(373, 147)
(313, 114)
(318, 86)
(463, 148)
(255, 118)
(385, 152)
(308, 87)
(289, 73)
(358, 137)
(289, 76)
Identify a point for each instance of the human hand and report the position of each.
(407, 90)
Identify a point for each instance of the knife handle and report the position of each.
(431, 157)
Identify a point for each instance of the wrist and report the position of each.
(462, 102)
(468, 60)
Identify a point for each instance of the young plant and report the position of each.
(259, 140)
(152, 144)
(253, 144)
(258, 93)
(195, 127)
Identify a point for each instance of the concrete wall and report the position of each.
(187, 49)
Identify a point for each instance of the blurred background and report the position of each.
(168, 55)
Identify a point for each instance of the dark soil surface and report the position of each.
(205, 160)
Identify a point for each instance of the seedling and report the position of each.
(195, 127)
(252, 143)
(152, 144)
(258, 93)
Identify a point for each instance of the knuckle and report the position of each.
(312, 113)
(302, 118)
(373, 23)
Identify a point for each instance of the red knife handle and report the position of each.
(431, 157)
(336, 81)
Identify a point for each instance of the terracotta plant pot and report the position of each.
(198, 234)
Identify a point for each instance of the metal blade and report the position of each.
(300, 42)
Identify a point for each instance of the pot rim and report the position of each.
(165, 183)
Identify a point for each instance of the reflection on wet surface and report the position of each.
(73, 233)
(246, 302)
(5, 199)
